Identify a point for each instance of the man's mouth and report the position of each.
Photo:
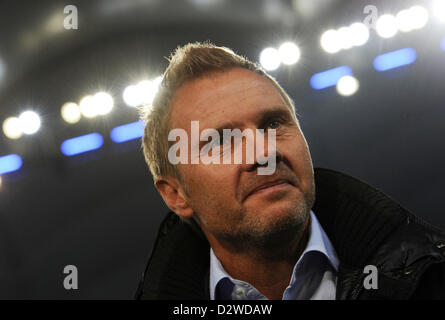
(270, 186)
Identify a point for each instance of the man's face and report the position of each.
(232, 201)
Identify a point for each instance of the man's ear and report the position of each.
(174, 196)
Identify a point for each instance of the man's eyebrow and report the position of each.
(273, 112)
(278, 111)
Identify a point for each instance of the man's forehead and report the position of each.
(223, 96)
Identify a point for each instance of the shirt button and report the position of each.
(440, 244)
(240, 292)
(408, 271)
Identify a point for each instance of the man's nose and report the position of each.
(262, 152)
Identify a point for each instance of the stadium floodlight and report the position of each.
(359, 34)
(419, 16)
(345, 38)
(147, 90)
(132, 96)
(347, 85)
(70, 112)
(103, 102)
(30, 122)
(289, 53)
(270, 59)
(439, 10)
(12, 128)
(404, 21)
(330, 41)
(88, 107)
(386, 26)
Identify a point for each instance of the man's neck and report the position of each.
(270, 276)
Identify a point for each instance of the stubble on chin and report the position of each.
(267, 238)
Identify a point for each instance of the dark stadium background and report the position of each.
(100, 212)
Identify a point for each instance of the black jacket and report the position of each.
(365, 226)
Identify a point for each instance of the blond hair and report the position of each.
(191, 61)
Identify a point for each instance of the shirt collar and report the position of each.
(318, 241)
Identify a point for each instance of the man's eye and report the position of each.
(274, 124)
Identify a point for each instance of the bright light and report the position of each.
(82, 144)
(404, 21)
(347, 85)
(345, 38)
(439, 10)
(330, 41)
(386, 26)
(289, 53)
(12, 128)
(87, 107)
(142, 93)
(395, 59)
(419, 16)
(359, 34)
(412, 19)
(127, 132)
(30, 122)
(10, 163)
(270, 59)
(147, 90)
(132, 96)
(103, 103)
(329, 78)
(70, 112)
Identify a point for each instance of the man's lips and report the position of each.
(269, 185)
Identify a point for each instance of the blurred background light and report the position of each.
(419, 16)
(30, 122)
(329, 77)
(12, 128)
(345, 38)
(270, 59)
(147, 91)
(70, 112)
(87, 107)
(131, 96)
(439, 10)
(142, 93)
(404, 21)
(289, 53)
(359, 34)
(82, 144)
(395, 59)
(412, 19)
(386, 26)
(127, 132)
(347, 85)
(10, 163)
(103, 103)
(442, 44)
(330, 41)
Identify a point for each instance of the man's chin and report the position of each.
(277, 223)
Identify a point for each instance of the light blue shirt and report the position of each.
(314, 276)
